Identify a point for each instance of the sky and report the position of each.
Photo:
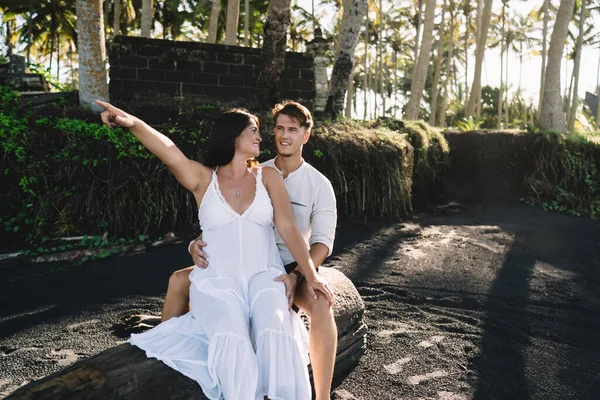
(530, 81)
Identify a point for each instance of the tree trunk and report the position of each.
(58, 56)
(105, 10)
(345, 8)
(9, 37)
(544, 50)
(366, 76)
(246, 22)
(503, 44)
(442, 115)
(273, 52)
(124, 371)
(29, 26)
(92, 53)
(117, 18)
(345, 61)
(417, 39)
(438, 68)
(551, 113)
(147, 17)
(418, 84)
(598, 93)
(467, 13)
(233, 18)
(479, 52)
(576, 66)
(506, 120)
(349, 97)
(381, 47)
(213, 23)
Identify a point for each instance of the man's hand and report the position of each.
(319, 284)
(290, 281)
(113, 116)
(197, 252)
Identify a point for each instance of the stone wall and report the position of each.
(154, 72)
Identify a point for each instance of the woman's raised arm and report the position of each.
(191, 174)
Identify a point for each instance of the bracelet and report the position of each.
(190, 245)
(296, 272)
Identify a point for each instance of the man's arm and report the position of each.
(323, 224)
(318, 253)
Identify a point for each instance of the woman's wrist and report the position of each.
(310, 274)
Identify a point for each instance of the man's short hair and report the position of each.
(295, 111)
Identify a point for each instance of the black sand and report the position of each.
(488, 302)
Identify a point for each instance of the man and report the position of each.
(313, 203)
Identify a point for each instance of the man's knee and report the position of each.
(179, 281)
(319, 308)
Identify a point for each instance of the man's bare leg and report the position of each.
(323, 339)
(178, 294)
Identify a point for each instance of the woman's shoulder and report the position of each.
(269, 174)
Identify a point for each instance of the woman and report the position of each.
(240, 341)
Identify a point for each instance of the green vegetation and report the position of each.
(65, 174)
(564, 173)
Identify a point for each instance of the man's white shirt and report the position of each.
(314, 206)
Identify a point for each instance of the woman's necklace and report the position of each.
(238, 188)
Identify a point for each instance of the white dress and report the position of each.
(239, 341)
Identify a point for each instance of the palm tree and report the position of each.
(214, 21)
(418, 20)
(342, 67)
(578, 47)
(273, 52)
(92, 53)
(246, 22)
(503, 46)
(418, 84)
(546, 9)
(147, 17)
(233, 18)
(49, 26)
(117, 17)
(442, 115)
(551, 112)
(482, 33)
(522, 40)
(438, 67)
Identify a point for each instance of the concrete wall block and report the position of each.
(164, 64)
(214, 67)
(150, 75)
(117, 73)
(188, 66)
(133, 61)
(206, 79)
(250, 82)
(240, 69)
(229, 80)
(291, 73)
(164, 87)
(303, 85)
(178, 76)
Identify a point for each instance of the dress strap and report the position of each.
(216, 169)
(257, 175)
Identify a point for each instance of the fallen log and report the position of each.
(124, 371)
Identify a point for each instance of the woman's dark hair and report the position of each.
(221, 143)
